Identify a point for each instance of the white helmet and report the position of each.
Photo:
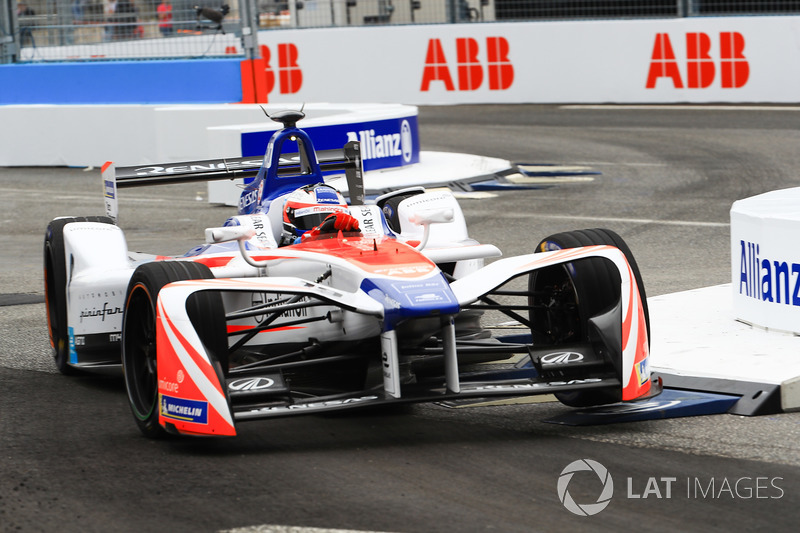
(307, 207)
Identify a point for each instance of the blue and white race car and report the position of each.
(397, 305)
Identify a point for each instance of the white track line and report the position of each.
(266, 528)
(693, 223)
(668, 107)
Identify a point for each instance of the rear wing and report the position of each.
(347, 159)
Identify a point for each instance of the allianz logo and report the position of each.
(379, 145)
(767, 279)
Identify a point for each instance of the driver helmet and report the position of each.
(307, 207)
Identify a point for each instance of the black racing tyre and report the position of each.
(563, 297)
(139, 361)
(55, 287)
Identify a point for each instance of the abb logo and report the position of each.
(701, 70)
(258, 75)
(499, 70)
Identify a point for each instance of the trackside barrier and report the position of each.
(765, 260)
(697, 59)
(77, 135)
(122, 82)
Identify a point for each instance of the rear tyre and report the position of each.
(139, 347)
(55, 287)
(564, 296)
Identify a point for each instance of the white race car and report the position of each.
(399, 308)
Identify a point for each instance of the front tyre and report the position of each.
(564, 297)
(55, 287)
(139, 346)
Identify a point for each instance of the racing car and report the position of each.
(401, 307)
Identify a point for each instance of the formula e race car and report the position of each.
(396, 307)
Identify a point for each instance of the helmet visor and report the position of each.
(306, 218)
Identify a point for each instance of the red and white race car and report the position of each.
(398, 307)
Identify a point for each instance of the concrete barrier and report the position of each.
(688, 59)
(765, 260)
(84, 135)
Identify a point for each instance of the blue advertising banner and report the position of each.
(121, 82)
(386, 143)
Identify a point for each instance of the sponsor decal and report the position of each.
(110, 190)
(264, 239)
(381, 145)
(406, 141)
(385, 143)
(319, 209)
(247, 199)
(429, 297)
(561, 358)
(768, 280)
(426, 294)
(319, 405)
(73, 354)
(167, 386)
(264, 299)
(326, 195)
(700, 67)
(498, 71)
(259, 75)
(536, 386)
(181, 169)
(102, 313)
(403, 270)
(643, 370)
(290, 75)
(184, 410)
(367, 220)
(251, 384)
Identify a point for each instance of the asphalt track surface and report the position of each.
(71, 458)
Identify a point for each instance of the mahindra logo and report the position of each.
(250, 384)
(561, 358)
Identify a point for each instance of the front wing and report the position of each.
(197, 398)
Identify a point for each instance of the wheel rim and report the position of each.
(139, 348)
(554, 307)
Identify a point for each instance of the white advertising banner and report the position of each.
(699, 59)
(765, 260)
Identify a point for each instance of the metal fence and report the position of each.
(59, 30)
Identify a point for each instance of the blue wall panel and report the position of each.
(122, 82)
